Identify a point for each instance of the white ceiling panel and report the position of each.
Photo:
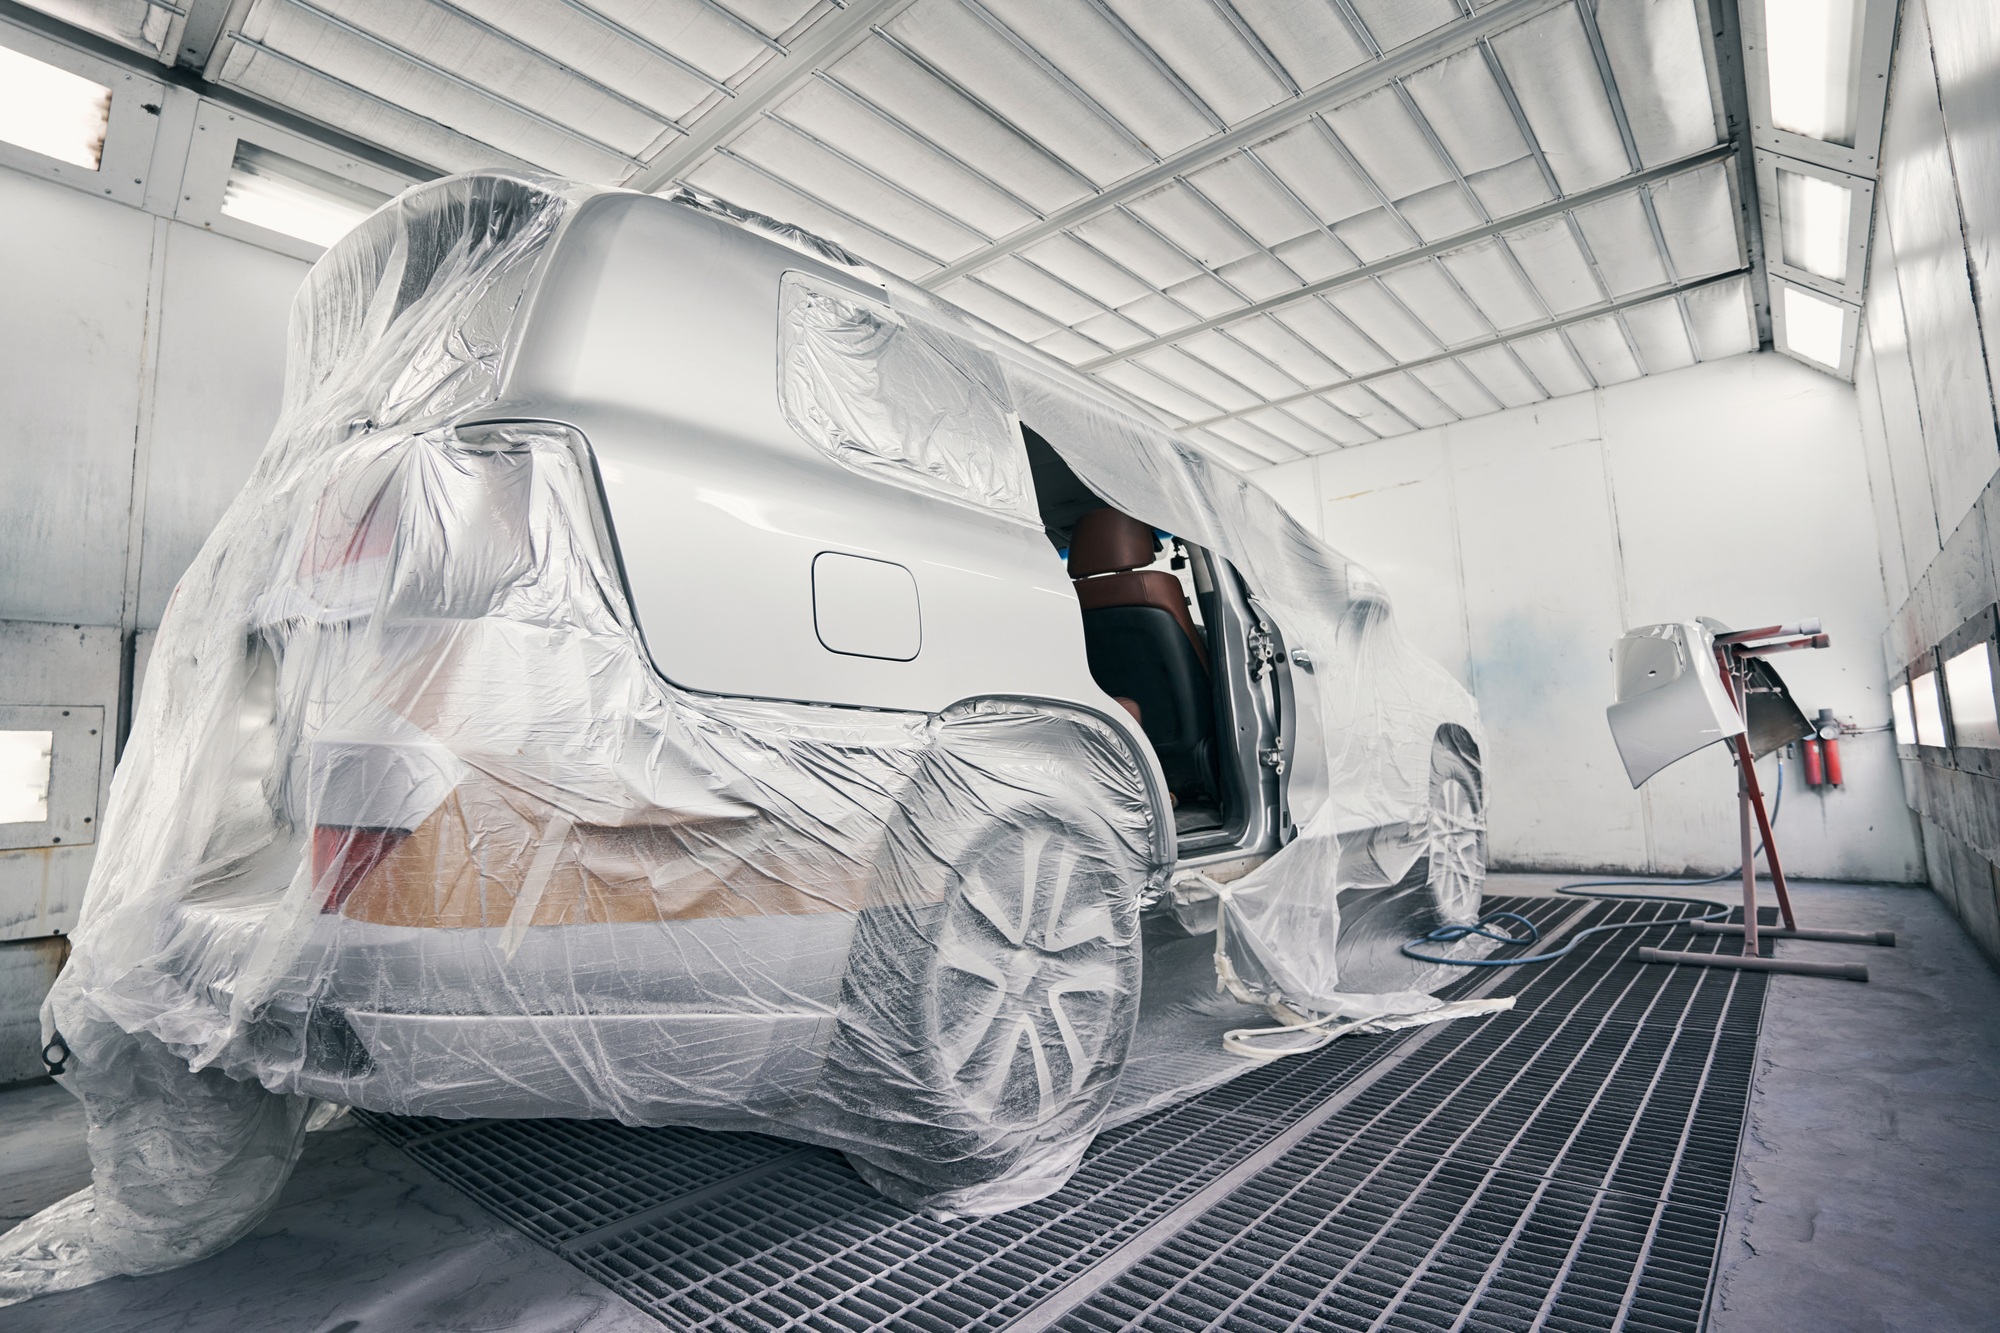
(1034, 99)
(1382, 317)
(1232, 454)
(1370, 411)
(1698, 219)
(1334, 336)
(1003, 312)
(1196, 39)
(1440, 211)
(1393, 22)
(1099, 57)
(1310, 42)
(1496, 286)
(1087, 269)
(1429, 293)
(1605, 353)
(1621, 241)
(1138, 248)
(1503, 376)
(1512, 188)
(1549, 63)
(1414, 402)
(852, 126)
(1722, 320)
(1066, 170)
(1655, 51)
(946, 116)
(1387, 144)
(1324, 418)
(1305, 160)
(1286, 350)
(1549, 358)
(1466, 110)
(1456, 388)
(1315, 256)
(1548, 253)
(1660, 335)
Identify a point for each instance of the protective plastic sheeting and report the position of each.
(409, 822)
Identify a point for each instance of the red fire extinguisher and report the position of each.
(1815, 762)
(1829, 742)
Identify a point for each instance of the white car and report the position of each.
(674, 678)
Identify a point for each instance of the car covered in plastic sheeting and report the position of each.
(661, 669)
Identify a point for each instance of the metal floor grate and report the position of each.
(1566, 1165)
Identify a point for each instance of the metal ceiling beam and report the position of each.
(200, 32)
(780, 76)
(1369, 272)
(1404, 60)
(1546, 326)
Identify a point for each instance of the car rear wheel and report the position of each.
(1457, 874)
(981, 1037)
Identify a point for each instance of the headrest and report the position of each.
(1108, 542)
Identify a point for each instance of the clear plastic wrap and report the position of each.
(408, 821)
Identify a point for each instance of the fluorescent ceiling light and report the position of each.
(1815, 328)
(271, 190)
(52, 111)
(1811, 52)
(1813, 214)
(1901, 717)
(1968, 679)
(1928, 708)
(24, 776)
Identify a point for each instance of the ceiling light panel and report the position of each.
(282, 194)
(1816, 329)
(52, 112)
(1814, 54)
(1814, 232)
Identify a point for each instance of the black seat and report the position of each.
(1144, 646)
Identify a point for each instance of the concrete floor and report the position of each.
(1868, 1195)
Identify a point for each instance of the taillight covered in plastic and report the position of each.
(342, 858)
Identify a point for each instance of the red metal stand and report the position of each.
(1732, 654)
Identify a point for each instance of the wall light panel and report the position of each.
(1814, 329)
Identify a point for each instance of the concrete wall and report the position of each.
(1518, 547)
(1925, 373)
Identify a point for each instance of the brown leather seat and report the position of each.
(1144, 646)
(1108, 553)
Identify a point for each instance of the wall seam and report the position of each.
(142, 467)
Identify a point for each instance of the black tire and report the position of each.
(981, 1033)
(1456, 877)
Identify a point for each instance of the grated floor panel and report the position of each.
(1565, 1165)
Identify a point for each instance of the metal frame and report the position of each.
(1861, 210)
(1878, 40)
(128, 137)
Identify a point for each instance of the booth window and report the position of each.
(25, 763)
(1928, 709)
(1968, 681)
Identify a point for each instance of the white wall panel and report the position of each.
(1529, 539)
(1965, 43)
(221, 375)
(1921, 220)
(74, 271)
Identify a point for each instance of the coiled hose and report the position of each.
(1531, 934)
